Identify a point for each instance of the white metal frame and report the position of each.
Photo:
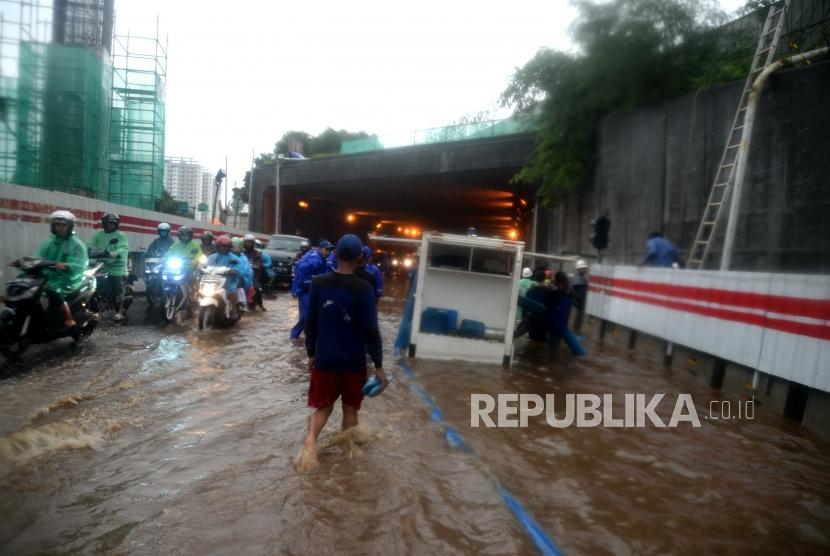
(483, 351)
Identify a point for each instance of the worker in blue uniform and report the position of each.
(312, 264)
(374, 270)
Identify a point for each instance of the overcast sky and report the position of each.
(241, 73)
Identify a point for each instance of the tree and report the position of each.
(167, 204)
(629, 52)
(326, 143)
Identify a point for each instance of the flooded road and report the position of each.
(155, 439)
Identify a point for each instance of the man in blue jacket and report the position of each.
(312, 264)
(375, 271)
(341, 328)
(660, 252)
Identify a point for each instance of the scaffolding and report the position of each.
(81, 111)
(137, 123)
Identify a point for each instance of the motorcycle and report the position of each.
(27, 319)
(175, 289)
(214, 306)
(153, 279)
(107, 299)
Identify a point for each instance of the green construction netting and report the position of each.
(137, 138)
(61, 121)
(458, 132)
(69, 122)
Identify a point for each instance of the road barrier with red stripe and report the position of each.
(776, 323)
(24, 217)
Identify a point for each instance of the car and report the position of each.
(283, 250)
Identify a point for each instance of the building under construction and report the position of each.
(82, 110)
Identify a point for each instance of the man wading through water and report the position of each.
(341, 327)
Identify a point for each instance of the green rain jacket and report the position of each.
(116, 265)
(67, 250)
(190, 252)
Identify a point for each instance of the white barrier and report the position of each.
(776, 323)
(24, 216)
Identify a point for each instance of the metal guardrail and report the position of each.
(446, 134)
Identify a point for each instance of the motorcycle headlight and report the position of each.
(203, 260)
(175, 264)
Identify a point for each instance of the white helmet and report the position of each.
(580, 264)
(62, 217)
(249, 237)
(526, 272)
(163, 227)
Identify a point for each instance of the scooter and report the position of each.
(214, 305)
(107, 300)
(153, 279)
(27, 320)
(175, 288)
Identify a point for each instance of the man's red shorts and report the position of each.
(327, 386)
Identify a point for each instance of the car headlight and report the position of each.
(175, 264)
(407, 263)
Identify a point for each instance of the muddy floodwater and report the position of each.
(158, 439)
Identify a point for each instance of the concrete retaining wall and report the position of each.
(656, 166)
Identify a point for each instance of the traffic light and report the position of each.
(599, 232)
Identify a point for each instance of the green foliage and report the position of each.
(312, 146)
(629, 53)
(167, 204)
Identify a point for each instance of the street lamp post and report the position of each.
(277, 196)
(220, 175)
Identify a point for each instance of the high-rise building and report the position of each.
(183, 180)
(207, 195)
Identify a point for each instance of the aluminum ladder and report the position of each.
(725, 176)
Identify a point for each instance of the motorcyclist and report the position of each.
(312, 264)
(159, 246)
(224, 257)
(374, 270)
(255, 258)
(267, 264)
(208, 247)
(114, 242)
(245, 270)
(186, 249)
(70, 256)
(189, 252)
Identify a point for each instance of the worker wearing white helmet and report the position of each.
(525, 281)
(579, 288)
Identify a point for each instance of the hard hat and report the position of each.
(526, 272)
(581, 264)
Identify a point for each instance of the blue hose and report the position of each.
(543, 542)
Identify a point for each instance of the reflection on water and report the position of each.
(169, 440)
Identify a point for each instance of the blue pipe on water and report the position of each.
(543, 542)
